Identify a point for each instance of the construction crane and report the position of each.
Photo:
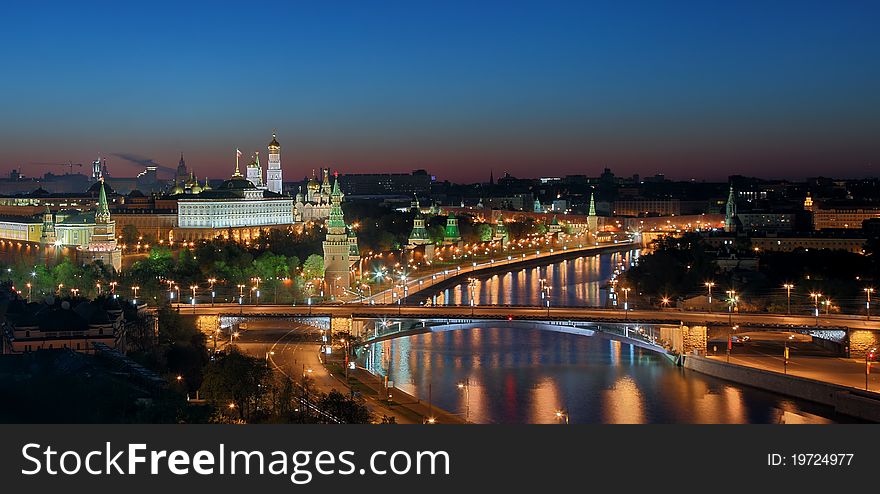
(69, 165)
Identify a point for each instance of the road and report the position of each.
(294, 351)
(559, 313)
(842, 371)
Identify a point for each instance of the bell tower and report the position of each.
(273, 172)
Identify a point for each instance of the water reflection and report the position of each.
(573, 282)
(524, 375)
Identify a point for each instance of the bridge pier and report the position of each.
(683, 339)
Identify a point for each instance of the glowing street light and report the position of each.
(562, 415)
(868, 292)
(788, 287)
(135, 290)
(466, 386)
(709, 285)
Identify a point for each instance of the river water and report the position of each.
(514, 374)
(573, 282)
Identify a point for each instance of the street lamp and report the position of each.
(788, 287)
(709, 285)
(625, 291)
(561, 415)
(193, 288)
(868, 356)
(213, 293)
(135, 290)
(28, 285)
(868, 292)
(731, 294)
(816, 296)
(466, 386)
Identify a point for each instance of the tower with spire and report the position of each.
(730, 217)
(592, 219)
(48, 236)
(273, 172)
(500, 233)
(337, 249)
(102, 244)
(451, 235)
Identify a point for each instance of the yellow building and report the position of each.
(21, 228)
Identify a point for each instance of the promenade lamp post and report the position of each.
(135, 290)
(466, 386)
(788, 287)
(731, 301)
(170, 290)
(193, 288)
(547, 298)
(251, 295)
(827, 306)
(74, 292)
(625, 291)
(213, 293)
(709, 285)
(98, 286)
(869, 355)
(177, 289)
(472, 285)
(816, 296)
(113, 288)
(60, 286)
(561, 416)
(240, 294)
(868, 292)
(28, 285)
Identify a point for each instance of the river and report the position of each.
(498, 373)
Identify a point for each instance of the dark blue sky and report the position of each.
(689, 89)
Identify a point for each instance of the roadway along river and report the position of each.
(523, 375)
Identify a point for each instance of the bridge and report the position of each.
(409, 290)
(496, 312)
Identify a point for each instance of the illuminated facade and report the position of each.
(339, 248)
(236, 203)
(315, 203)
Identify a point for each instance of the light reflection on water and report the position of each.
(573, 282)
(524, 375)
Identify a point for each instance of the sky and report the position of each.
(692, 89)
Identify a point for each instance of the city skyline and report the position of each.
(777, 91)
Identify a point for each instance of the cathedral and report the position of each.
(315, 203)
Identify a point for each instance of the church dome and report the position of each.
(274, 143)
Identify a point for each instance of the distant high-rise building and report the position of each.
(273, 172)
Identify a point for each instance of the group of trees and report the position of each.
(243, 388)
(679, 268)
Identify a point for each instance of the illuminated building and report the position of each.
(338, 248)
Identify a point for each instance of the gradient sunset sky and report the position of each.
(690, 89)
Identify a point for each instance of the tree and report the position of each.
(313, 268)
(484, 231)
(235, 379)
(272, 268)
(130, 234)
